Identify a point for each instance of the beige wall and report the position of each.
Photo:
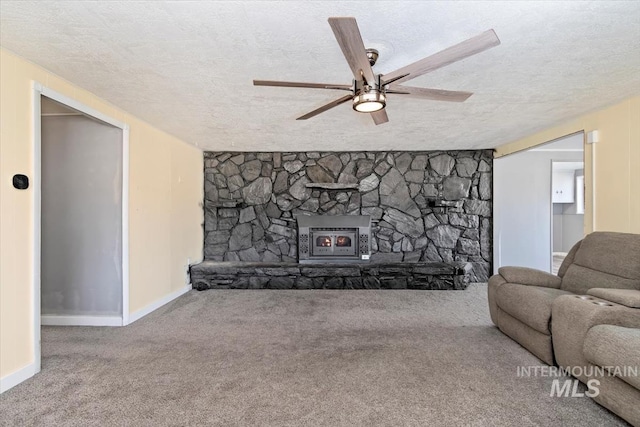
(165, 216)
(617, 164)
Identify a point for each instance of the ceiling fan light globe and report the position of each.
(369, 102)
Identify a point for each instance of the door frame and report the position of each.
(39, 90)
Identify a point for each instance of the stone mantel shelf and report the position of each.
(332, 186)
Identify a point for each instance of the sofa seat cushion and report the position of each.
(615, 346)
(529, 304)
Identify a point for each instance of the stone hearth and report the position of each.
(248, 275)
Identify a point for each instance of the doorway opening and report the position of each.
(523, 207)
(567, 199)
(81, 217)
(81, 247)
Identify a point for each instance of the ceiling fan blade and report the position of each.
(433, 94)
(462, 50)
(380, 117)
(393, 80)
(300, 84)
(350, 41)
(326, 107)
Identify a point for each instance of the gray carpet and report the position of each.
(298, 358)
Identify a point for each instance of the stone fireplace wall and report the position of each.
(425, 206)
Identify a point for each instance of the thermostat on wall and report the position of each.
(21, 182)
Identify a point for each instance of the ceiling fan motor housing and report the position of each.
(362, 86)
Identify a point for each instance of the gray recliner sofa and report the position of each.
(521, 298)
(596, 337)
(586, 316)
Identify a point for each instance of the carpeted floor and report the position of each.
(295, 358)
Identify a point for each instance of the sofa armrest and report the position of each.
(627, 297)
(530, 276)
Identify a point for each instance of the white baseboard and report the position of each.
(64, 320)
(136, 315)
(17, 377)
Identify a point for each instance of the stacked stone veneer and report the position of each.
(425, 206)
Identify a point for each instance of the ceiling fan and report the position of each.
(369, 91)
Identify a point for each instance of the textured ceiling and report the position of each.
(187, 67)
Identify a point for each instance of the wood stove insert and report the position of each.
(334, 238)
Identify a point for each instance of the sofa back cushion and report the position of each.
(604, 260)
(568, 260)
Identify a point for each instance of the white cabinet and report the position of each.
(563, 187)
